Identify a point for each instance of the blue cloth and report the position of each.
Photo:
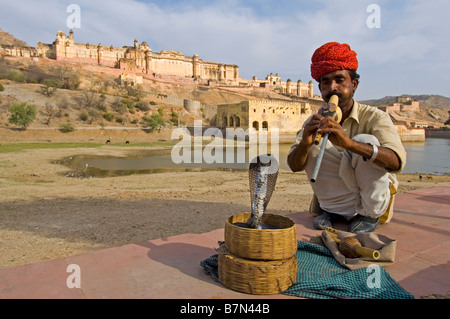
(320, 276)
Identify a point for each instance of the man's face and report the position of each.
(338, 82)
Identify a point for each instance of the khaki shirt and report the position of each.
(331, 187)
(365, 119)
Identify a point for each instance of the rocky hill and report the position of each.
(65, 92)
(433, 101)
(9, 40)
(433, 108)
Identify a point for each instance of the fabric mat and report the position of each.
(320, 276)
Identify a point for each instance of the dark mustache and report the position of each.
(339, 95)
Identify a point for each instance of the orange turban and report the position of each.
(331, 57)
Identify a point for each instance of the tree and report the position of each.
(49, 88)
(66, 77)
(154, 122)
(87, 99)
(22, 114)
(51, 111)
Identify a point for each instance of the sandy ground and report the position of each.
(45, 215)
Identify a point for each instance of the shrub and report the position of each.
(130, 105)
(1, 87)
(143, 106)
(66, 127)
(108, 116)
(13, 75)
(84, 116)
(119, 120)
(102, 107)
(48, 89)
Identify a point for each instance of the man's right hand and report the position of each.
(310, 129)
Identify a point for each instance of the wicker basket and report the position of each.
(258, 277)
(261, 244)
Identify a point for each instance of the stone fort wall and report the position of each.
(138, 62)
(286, 116)
(146, 61)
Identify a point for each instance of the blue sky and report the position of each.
(408, 54)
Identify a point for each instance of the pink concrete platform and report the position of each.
(169, 268)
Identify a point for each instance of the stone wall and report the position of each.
(167, 62)
(83, 135)
(10, 50)
(286, 116)
(408, 134)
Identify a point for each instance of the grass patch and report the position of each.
(18, 147)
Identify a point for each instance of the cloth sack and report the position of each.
(382, 243)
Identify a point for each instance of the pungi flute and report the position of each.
(331, 109)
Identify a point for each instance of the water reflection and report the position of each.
(429, 157)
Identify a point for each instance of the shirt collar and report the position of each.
(354, 112)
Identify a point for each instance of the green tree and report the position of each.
(154, 122)
(22, 114)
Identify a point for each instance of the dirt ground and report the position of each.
(45, 215)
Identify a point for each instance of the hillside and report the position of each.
(9, 40)
(433, 101)
(433, 108)
(89, 98)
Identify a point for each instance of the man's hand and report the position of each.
(310, 129)
(386, 157)
(337, 134)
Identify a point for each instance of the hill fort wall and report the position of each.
(139, 61)
(140, 56)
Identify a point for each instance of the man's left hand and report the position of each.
(337, 134)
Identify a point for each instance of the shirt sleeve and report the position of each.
(384, 130)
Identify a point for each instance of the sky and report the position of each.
(402, 46)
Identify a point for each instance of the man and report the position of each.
(356, 180)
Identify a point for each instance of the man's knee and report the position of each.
(366, 138)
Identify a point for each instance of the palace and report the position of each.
(133, 64)
(139, 61)
(140, 57)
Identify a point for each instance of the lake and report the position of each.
(429, 157)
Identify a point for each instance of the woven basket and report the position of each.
(258, 277)
(261, 244)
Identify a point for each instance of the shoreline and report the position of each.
(48, 216)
